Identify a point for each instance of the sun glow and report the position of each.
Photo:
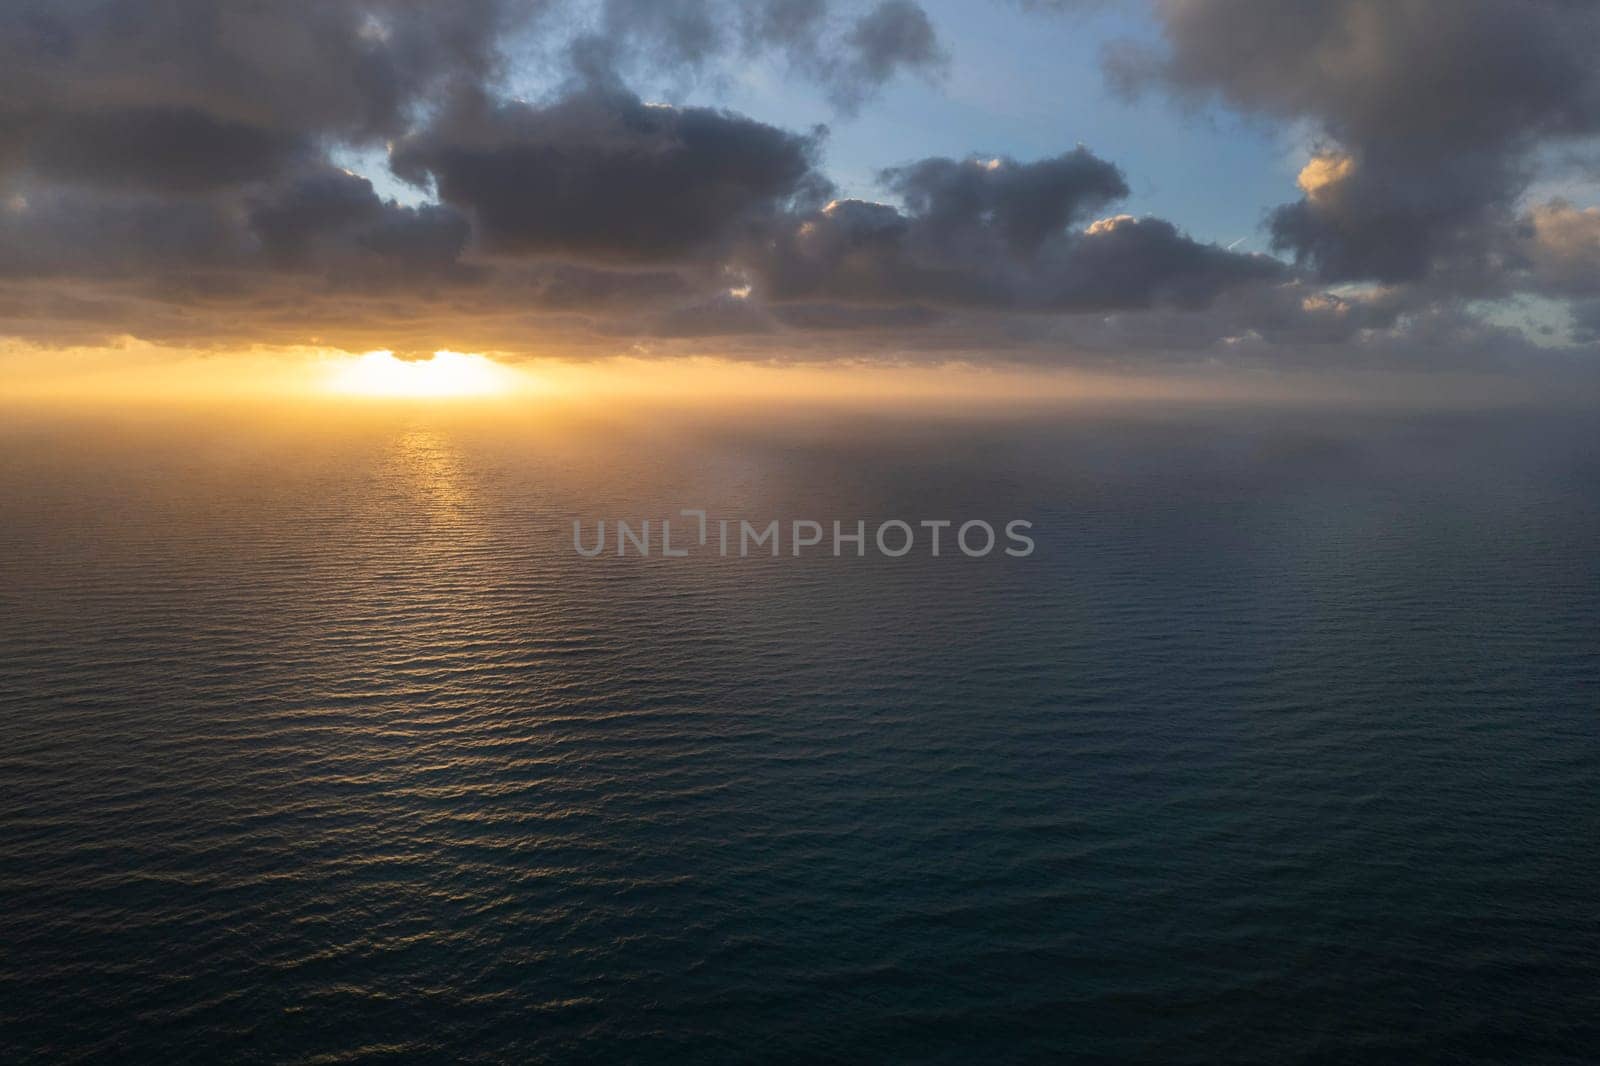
(444, 375)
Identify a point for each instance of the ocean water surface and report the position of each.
(319, 743)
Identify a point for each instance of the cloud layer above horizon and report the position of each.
(179, 171)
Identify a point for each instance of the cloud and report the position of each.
(844, 318)
(602, 176)
(849, 50)
(334, 217)
(196, 203)
(597, 216)
(188, 94)
(1586, 320)
(1024, 203)
(999, 234)
(896, 35)
(191, 94)
(75, 233)
(1563, 248)
(721, 315)
(1432, 113)
(180, 149)
(167, 171)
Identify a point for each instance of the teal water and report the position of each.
(319, 743)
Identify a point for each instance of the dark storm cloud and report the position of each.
(77, 233)
(1390, 220)
(1432, 112)
(1142, 262)
(1026, 203)
(324, 220)
(601, 175)
(184, 94)
(847, 318)
(338, 216)
(180, 149)
(995, 233)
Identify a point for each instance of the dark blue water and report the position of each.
(318, 743)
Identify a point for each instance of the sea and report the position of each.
(320, 743)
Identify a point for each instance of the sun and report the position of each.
(444, 375)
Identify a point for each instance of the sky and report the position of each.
(1029, 86)
(1094, 186)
